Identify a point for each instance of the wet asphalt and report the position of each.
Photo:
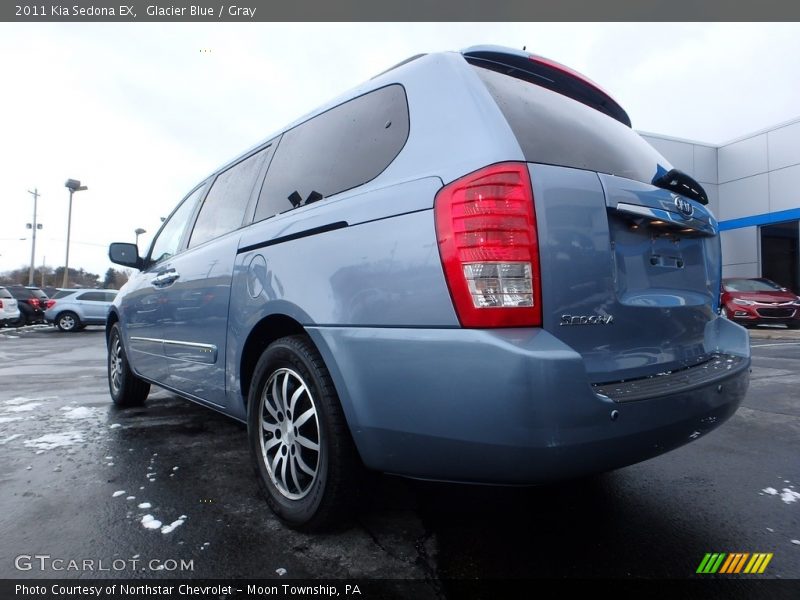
(75, 470)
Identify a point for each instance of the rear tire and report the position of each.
(68, 321)
(126, 388)
(307, 465)
(793, 325)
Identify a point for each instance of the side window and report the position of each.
(169, 238)
(110, 296)
(224, 207)
(92, 297)
(338, 150)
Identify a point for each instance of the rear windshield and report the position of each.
(556, 130)
(37, 293)
(751, 285)
(4, 293)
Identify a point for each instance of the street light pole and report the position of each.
(35, 194)
(73, 185)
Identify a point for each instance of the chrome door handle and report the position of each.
(165, 278)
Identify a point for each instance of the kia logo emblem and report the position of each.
(684, 206)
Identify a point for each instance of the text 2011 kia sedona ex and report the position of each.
(470, 268)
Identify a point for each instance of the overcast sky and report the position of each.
(142, 112)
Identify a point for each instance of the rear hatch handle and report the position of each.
(658, 207)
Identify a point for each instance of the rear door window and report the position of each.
(340, 149)
(92, 297)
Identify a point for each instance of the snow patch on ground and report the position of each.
(56, 440)
(23, 407)
(150, 522)
(117, 493)
(770, 490)
(145, 505)
(171, 527)
(23, 400)
(9, 419)
(9, 438)
(115, 426)
(80, 412)
(789, 496)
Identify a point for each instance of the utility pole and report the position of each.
(35, 194)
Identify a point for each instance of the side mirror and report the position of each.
(125, 254)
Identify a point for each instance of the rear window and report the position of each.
(556, 130)
(4, 293)
(337, 150)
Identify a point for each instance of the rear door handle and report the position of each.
(166, 278)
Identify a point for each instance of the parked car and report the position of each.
(759, 301)
(31, 302)
(470, 268)
(74, 309)
(9, 311)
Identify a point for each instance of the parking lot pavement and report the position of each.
(83, 480)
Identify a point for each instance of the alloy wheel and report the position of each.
(290, 433)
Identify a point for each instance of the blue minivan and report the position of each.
(470, 268)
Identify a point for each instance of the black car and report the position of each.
(32, 303)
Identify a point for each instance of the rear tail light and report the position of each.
(486, 229)
(49, 304)
(1, 304)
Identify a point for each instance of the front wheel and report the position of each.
(125, 387)
(307, 465)
(68, 321)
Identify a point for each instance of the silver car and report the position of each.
(72, 310)
(9, 311)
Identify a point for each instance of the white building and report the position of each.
(753, 185)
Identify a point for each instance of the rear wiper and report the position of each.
(676, 180)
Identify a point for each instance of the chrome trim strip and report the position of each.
(197, 345)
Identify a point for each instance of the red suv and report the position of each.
(759, 302)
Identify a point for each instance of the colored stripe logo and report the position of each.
(734, 563)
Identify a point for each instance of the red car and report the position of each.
(759, 302)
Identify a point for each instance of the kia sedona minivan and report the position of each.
(469, 269)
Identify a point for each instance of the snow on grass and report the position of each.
(79, 412)
(56, 440)
(118, 493)
(150, 522)
(145, 505)
(9, 438)
(9, 419)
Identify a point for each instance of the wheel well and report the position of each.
(267, 331)
(112, 318)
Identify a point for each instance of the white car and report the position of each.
(9, 311)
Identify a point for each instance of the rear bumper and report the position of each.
(509, 406)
